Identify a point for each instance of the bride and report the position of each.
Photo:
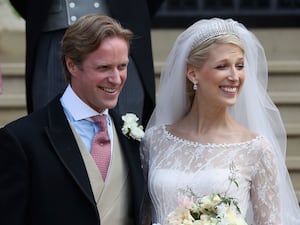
(214, 118)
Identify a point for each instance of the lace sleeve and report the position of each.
(265, 189)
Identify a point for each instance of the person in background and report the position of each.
(46, 22)
(0, 80)
(215, 126)
(52, 165)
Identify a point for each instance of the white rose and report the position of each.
(234, 219)
(130, 118)
(136, 133)
(131, 128)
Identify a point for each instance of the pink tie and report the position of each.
(101, 145)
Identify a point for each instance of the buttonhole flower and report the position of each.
(131, 128)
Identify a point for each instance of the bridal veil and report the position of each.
(254, 108)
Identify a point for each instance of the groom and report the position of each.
(47, 174)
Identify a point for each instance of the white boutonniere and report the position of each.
(131, 128)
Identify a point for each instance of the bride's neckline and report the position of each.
(195, 143)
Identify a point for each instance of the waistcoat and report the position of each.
(112, 197)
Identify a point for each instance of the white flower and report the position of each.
(131, 128)
(180, 216)
(213, 209)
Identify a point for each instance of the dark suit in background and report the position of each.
(41, 86)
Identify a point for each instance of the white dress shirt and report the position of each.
(79, 115)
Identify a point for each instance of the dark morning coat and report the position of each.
(43, 180)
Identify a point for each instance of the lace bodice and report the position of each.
(173, 164)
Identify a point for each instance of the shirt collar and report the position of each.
(76, 107)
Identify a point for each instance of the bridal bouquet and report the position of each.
(214, 209)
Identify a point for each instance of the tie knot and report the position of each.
(100, 120)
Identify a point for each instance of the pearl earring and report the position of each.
(195, 86)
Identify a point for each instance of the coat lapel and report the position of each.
(131, 153)
(65, 146)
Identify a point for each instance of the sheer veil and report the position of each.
(254, 108)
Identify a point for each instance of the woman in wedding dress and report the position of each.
(213, 119)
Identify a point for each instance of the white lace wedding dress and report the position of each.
(174, 164)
